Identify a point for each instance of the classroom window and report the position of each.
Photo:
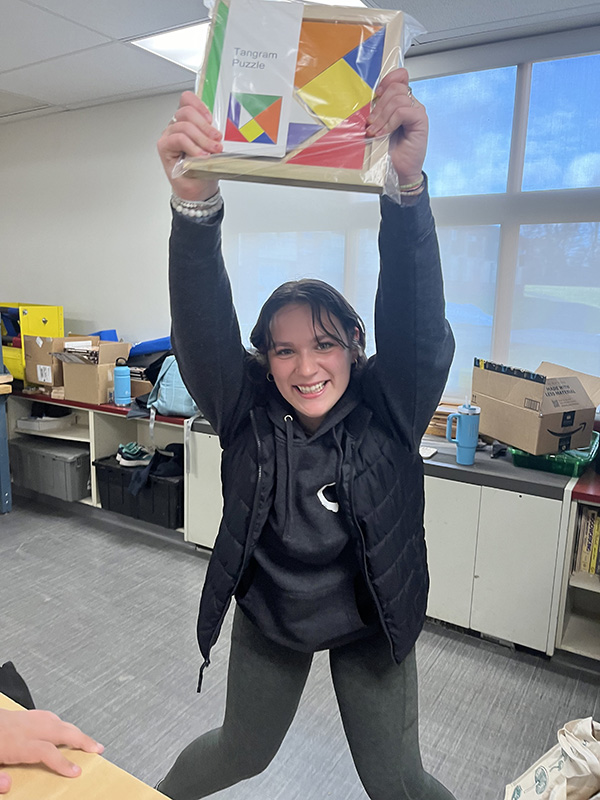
(268, 259)
(563, 146)
(470, 125)
(556, 307)
(517, 205)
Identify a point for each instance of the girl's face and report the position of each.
(309, 367)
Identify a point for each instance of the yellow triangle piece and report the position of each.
(336, 93)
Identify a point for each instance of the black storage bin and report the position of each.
(159, 502)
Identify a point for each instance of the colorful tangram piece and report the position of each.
(338, 67)
(253, 118)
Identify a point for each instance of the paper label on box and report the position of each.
(254, 74)
(44, 373)
(39, 341)
(562, 394)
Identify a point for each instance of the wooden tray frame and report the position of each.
(258, 169)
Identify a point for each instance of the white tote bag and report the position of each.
(569, 771)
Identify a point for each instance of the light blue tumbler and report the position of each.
(467, 432)
(122, 383)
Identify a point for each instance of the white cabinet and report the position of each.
(495, 560)
(203, 500)
(516, 557)
(451, 522)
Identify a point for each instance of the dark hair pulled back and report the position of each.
(326, 305)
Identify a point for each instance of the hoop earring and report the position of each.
(270, 377)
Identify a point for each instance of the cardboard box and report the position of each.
(99, 778)
(41, 365)
(139, 388)
(539, 412)
(94, 383)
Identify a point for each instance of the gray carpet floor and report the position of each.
(99, 617)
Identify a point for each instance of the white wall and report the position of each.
(85, 217)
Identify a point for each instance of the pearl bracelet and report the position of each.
(197, 208)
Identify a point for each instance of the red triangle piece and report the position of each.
(232, 134)
(343, 147)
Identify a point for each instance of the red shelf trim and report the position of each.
(108, 408)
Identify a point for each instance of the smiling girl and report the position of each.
(321, 542)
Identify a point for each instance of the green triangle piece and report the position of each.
(255, 103)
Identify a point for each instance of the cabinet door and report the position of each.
(451, 518)
(203, 501)
(514, 568)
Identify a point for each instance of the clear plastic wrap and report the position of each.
(290, 86)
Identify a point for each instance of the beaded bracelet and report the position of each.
(412, 189)
(197, 208)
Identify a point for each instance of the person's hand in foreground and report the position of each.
(33, 737)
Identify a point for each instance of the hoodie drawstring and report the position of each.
(289, 494)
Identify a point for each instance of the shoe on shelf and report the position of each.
(133, 454)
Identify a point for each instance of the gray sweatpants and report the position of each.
(378, 705)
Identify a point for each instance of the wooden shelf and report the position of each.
(580, 580)
(587, 488)
(582, 636)
(73, 433)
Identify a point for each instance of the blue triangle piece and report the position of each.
(366, 58)
(263, 139)
(234, 111)
(299, 132)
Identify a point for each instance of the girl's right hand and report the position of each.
(192, 133)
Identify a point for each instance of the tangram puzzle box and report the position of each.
(546, 411)
(89, 381)
(290, 87)
(99, 778)
(41, 364)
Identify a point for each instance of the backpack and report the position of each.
(169, 397)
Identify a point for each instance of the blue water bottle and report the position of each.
(122, 383)
(467, 432)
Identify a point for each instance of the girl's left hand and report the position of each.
(398, 113)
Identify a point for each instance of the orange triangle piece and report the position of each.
(343, 147)
(269, 119)
(324, 43)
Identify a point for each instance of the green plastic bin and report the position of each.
(570, 462)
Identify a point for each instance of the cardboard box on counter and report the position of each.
(546, 411)
(99, 778)
(41, 364)
(139, 387)
(92, 382)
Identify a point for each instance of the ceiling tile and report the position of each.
(16, 104)
(29, 34)
(125, 19)
(111, 69)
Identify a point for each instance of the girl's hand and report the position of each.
(398, 113)
(192, 133)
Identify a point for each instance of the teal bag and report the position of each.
(169, 397)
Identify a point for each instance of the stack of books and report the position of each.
(586, 558)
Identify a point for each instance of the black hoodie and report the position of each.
(304, 587)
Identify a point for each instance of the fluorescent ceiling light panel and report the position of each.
(184, 46)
